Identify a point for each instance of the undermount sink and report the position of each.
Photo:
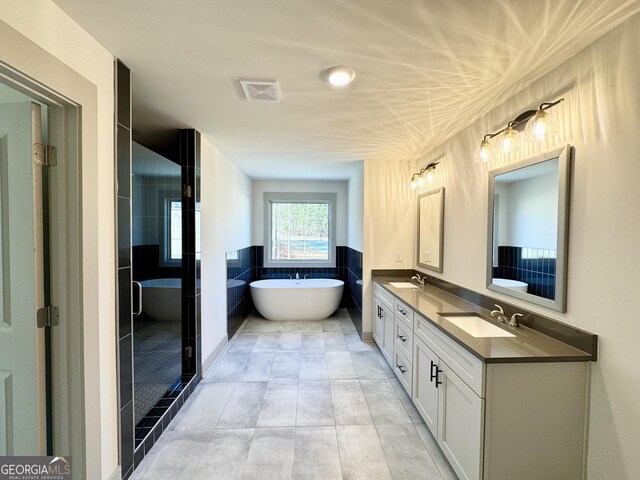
(476, 326)
(403, 285)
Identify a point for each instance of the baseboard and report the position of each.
(116, 475)
(367, 337)
(211, 359)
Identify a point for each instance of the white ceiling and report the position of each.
(425, 69)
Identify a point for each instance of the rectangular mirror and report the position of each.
(430, 229)
(528, 227)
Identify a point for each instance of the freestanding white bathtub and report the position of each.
(162, 299)
(312, 299)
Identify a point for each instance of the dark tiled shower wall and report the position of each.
(246, 265)
(534, 266)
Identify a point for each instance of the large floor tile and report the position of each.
(267, 342)
(354, 344)
(203, 409)
(349, 404)
(361, 453)
(331, 325)
(286, 365)
(407, 456)
(413, 413)
(290, 341)
(312, 342)
(315, 406)
(257, 368)
(228, 368)
(279, 404)
(225, 455)
(384, 404)
(334, 341)
(242, 344)
(316, 455)
(313, 366)
(367, 366)
(177, 455)
(271, 454)
(243, 407)
(340, 366)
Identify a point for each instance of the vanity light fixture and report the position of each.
(426, 174)
(339, 76)
(540, 125)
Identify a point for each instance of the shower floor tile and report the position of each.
(298, 400)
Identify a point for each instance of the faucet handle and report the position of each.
(499, 314)
(499, 310)
(514, 319)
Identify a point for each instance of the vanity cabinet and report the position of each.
(383, 322)
(494, 419)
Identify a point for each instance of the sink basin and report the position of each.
(403, 285)
(476, 326)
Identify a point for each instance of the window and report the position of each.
(299, 229)
(174, 231)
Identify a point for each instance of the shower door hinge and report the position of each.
(44, 155)
(48, 316)
(188, 352)
(186, 191)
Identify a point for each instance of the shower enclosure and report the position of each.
(157, 270)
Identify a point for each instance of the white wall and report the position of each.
(355, 215)
(225, 225)
(46, 25)
(316, 186)
(599, 117)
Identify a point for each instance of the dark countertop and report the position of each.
(527, 346)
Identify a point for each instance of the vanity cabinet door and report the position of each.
(378, 323)
(425, 393)
(460, 428)
(389, 334)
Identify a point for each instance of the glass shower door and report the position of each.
(157, 294)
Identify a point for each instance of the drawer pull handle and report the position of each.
(401, 368)
(402, 311)
(435, 376)
(404, 339)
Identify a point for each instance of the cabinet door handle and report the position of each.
(379, 316)
(402, 311)
(433, 376)
(401, 368)
(402, 338)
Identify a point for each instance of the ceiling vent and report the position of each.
(266, 91)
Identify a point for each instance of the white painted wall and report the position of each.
(44, 23)
(338, 187)
(355, 215)
(528, 212)
(225, 225)
(600, 118)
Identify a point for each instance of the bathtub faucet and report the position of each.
(297, 276)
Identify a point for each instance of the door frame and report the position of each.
(78, 409)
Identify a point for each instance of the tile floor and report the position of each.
(297, 400)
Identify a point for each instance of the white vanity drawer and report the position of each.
(468, 367)
(385, 297)
(404, 313)
(403, 338)
(404, 371)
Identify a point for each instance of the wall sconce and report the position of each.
(426, 174)
(540, 125)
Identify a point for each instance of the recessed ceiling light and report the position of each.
(339, 76)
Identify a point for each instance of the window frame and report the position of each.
(299, 197)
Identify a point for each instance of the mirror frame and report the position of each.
(439, 267)
(565, 156)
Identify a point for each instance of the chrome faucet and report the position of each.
(499, 314)
(290, 277)
(514, 319)
(306, 275)
(297, 276)
(417, 278)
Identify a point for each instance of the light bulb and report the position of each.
(540, 127)
(413, 183)
(339, 76)
(421, 180)
(508, 141)
(429, 175)
(484, 151)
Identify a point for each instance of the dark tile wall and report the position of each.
(241, 272)
(534, 266)
(246, 265)
(123, 289)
